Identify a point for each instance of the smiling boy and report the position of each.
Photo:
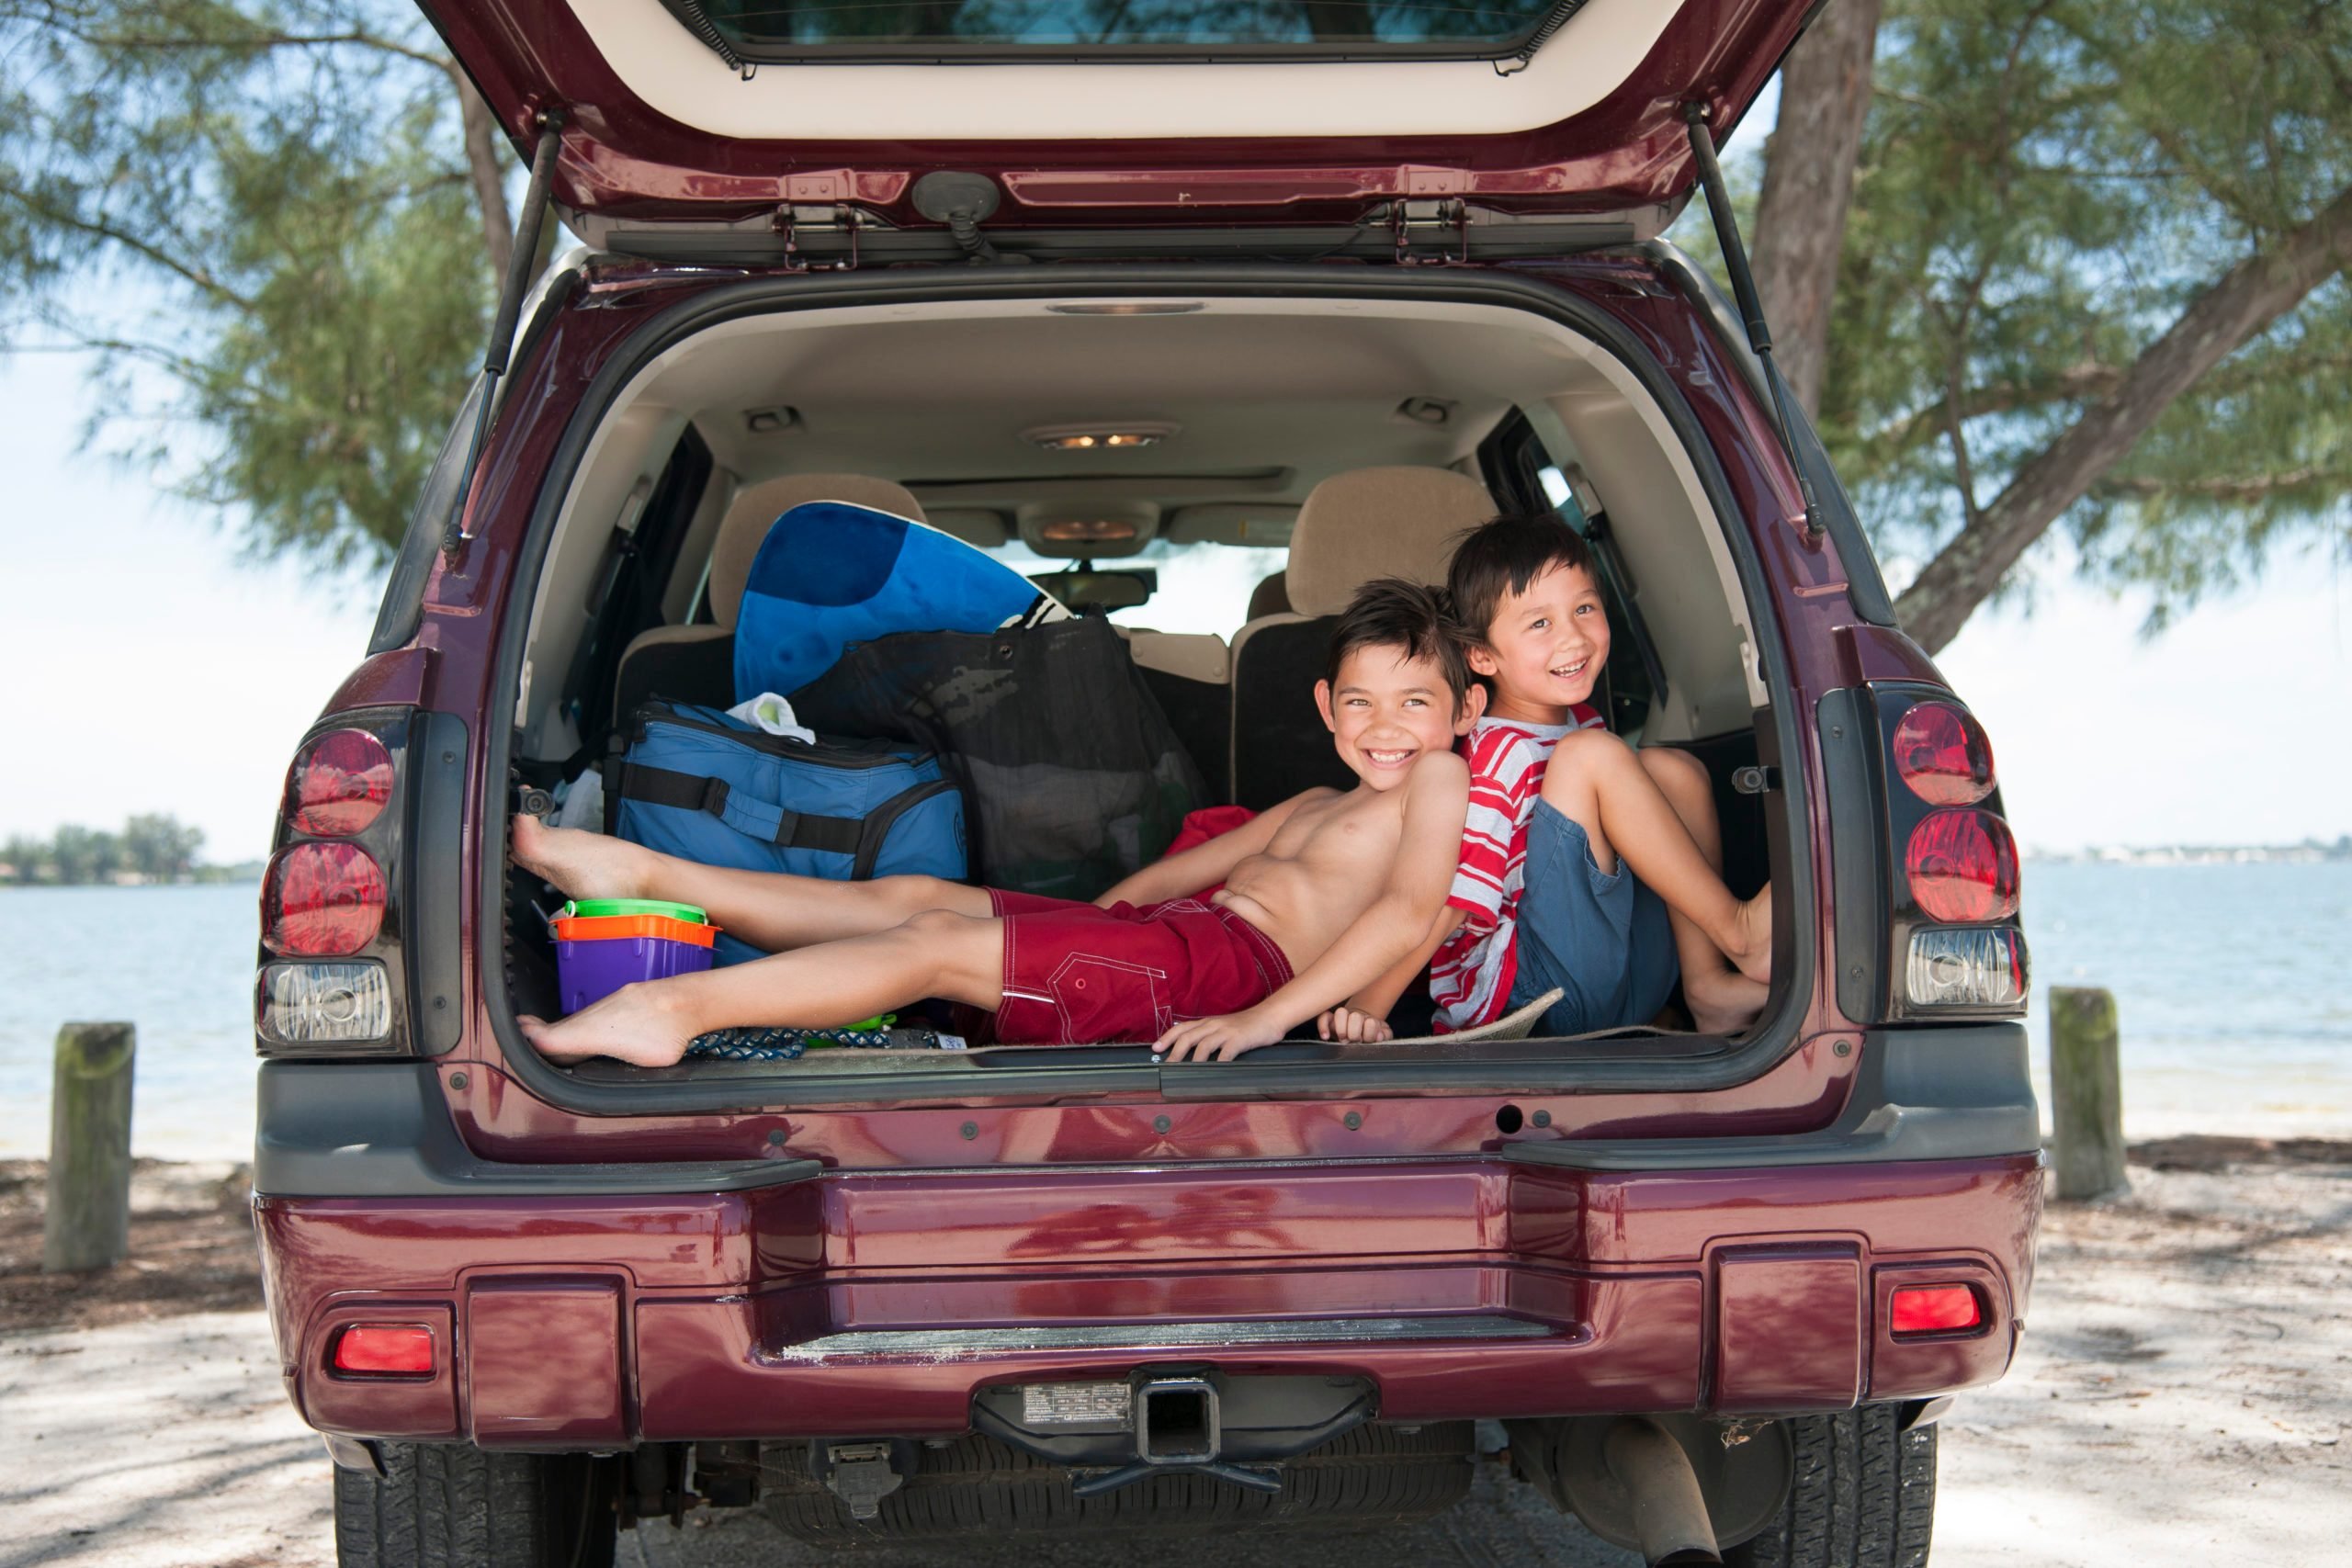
(1322, 893)
(1586, 866)
(1558, 803)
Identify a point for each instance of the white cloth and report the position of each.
(774, 714)
(582, 804)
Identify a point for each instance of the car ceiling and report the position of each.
(1264, 405)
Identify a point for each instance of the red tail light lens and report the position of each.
(1962, 866)
(1943, 755)
(338, 783)
(1934, 1309)
(381, 1349)
(321, 901)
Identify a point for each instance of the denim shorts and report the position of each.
(1603, 938)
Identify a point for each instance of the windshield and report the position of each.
(1201, 588)
(769, 30)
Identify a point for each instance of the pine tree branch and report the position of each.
(96, 229)
(2240, 488)
(2088, 379)
(191, 371)
(249, 43)
(2239, 304)
(1997, 397)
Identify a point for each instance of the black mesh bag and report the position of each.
(1072, 775)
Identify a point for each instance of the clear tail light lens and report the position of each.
(306, 1004)
(321, 900)
(1934, 1309)
(1961, 967)
(338, 783)
(1942, 754)
(1962, 866)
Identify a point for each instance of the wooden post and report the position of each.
(89, 1149)
(2085, 1092)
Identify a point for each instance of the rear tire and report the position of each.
(452, 1505)
(1864, 1495)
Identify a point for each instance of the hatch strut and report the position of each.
(520, 266)
(1743, 287)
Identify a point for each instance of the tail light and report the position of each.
(321, 900)
(1926, 865)
(1934, 1309)
(384, 1349)
(1962, 865)
(1940, 753)
(339, 782)
(332, 979)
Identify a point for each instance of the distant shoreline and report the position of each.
(226, 877)
(2338, 853)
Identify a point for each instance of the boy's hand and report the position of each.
(1218, 1039)
(1358, 1028)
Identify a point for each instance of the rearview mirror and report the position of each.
(1082, 589)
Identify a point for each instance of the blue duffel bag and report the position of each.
(694, 782)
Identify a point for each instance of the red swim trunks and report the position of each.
(1075, 975)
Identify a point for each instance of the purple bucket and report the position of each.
(590, 968)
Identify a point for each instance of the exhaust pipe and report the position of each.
(1669, 1514)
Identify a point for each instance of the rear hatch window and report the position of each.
(758, 29)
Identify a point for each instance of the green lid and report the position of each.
(598, 908)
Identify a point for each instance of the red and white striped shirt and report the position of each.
(1471, 976)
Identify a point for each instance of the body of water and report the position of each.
(2235, 1014)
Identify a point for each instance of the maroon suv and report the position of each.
(1268, 300)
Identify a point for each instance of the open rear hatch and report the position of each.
(723, 129)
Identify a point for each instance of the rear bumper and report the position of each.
(875, 1304)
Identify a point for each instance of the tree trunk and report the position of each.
(2246, 298)
(1808, 181)
(490, 183)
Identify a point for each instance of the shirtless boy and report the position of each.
(1586, 866)
(1322, 893)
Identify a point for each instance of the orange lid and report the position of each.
(607, 928)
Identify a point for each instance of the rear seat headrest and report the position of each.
(752, 511)
(1368, 523)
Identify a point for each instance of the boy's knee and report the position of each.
(1671, 768)
(914, 892)
(939, 925)
(957, 956)
(1577, 755)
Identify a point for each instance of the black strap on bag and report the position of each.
(760, 819)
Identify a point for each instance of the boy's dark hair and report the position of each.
(1389, 612)
(1503, 555)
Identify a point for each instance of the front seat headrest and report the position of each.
(1368, 523)
(755, 509)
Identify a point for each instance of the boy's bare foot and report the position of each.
(1722, 1002)
(630, 1025)
(584, 864)
(1750, 950)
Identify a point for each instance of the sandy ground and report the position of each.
(2183, 1397)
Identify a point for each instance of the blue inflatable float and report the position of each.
(830, 574)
